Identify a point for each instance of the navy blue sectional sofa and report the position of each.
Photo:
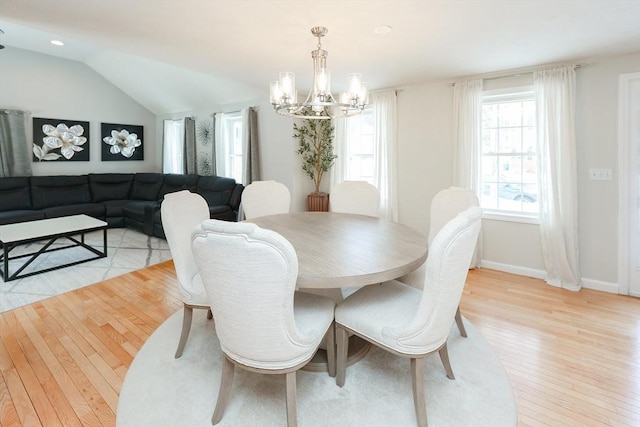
(121, 199)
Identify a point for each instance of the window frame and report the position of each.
(520, 93)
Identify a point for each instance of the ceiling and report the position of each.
(183, 55)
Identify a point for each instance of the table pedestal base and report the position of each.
(358, 348)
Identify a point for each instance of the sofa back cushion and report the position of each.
(216, 190)
(146, 186)
(177, 182)
(110, 186)
(59, 190)
(15, 194)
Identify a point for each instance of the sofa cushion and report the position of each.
(176, 182)
(216, 190)
(10, 217)
(59, 190)
(96, 210)
(110, 186)
(15, 193)
(146, 186)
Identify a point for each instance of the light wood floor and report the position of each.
(572, 358)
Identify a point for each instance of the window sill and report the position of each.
(510, 217)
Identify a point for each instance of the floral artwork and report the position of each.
(122, 142)
(57, 139)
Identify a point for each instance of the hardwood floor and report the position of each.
(572, 358)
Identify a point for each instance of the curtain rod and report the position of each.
(518, 71)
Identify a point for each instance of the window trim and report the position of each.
(517, 93)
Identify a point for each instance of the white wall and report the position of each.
(57, 88)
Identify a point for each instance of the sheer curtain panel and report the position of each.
(467, 127)
(15, 156)
(173, 147)
(555, 106)
(250, 146)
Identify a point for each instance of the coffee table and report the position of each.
(49, 230)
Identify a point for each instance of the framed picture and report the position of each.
(60, 140)
(122, 142)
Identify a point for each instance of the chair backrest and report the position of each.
(181, 213)
(448, 203)
(445, 275)
(250, 274)
(356, 197)
(262, 198)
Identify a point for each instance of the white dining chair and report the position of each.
(262, 323)
(261, 198)
(356, 197)
(409, 322)
(181, 213)
(446, 204)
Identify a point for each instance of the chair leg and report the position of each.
(417, 381)
(444, 356)
(226, 381)
(186, 327)
(463, 331)
(342, 347)
(331, 350)
(292, 415)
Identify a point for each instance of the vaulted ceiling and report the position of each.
(182, 55)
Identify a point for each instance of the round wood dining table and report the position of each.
(337, 250)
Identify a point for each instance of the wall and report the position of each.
(57, 88)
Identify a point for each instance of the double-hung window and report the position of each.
(229, 145)
(360, 161)
(508, 153)
(173, 146)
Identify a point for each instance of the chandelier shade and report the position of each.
(320, 103)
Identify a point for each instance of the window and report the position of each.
(508, 155)
(173, 147)
(360, 164)
(229, 146)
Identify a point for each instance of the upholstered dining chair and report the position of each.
(181, 213)
(356, 197)
(446, 204)
(263, 325)
(262, 198)
(409, 322)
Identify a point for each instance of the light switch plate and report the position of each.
(601, 174)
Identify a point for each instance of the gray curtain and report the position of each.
(214, 168)
(190, 160)
(250, 146)
(15, 155)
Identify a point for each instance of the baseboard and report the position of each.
(596, 285)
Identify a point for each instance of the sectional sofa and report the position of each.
(121, 199)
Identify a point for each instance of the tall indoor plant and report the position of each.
(315, 146)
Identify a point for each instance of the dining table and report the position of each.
(340, 251)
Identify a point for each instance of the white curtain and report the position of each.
(221, 149)
(384, 106)
(173, 147)
(467, 127)
(555, 105)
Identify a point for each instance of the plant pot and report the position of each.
(318, 202)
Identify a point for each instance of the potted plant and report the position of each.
(315, 145)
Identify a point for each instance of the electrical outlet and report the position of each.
(601, 174)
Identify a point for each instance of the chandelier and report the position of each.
(320, 104)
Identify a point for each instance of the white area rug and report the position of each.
(127, 250)
(162, 391)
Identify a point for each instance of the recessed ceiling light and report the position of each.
(57, 43)
(383, 29)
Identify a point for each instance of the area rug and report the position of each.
(159, 390)
(127, 250)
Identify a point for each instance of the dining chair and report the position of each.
(181, 213)
(261, 198)
(356, 197)
(262, 323)
(446, 204)
(409, 322)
